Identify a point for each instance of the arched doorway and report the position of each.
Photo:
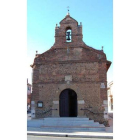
(68, 103)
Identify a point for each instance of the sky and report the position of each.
(96, 17)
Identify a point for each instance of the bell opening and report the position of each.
(68, 35)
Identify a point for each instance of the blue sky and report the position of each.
(96, 17)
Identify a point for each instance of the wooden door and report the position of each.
(64, 104)
(72, 104)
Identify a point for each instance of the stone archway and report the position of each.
(56, 102)
(68, 103)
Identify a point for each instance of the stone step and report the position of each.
(56, 129)
(35, 123)
(79, 123)
(67, 119)
(79, 129)
(76, 124)
(71, 123)
(86, 121)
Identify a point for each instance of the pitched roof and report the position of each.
(69, 18)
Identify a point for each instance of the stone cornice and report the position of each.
(73, 82)
(68, 61)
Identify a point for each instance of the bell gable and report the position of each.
(70, 38)
(67, 20)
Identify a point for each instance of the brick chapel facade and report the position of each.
(70, 79)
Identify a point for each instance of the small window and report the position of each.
(39, 104)
(68, 35)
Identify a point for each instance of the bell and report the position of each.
(68, 38)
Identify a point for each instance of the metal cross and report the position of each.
(68, 8)
(102, 48)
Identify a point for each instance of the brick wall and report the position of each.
(87, 67)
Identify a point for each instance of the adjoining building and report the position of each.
(110, 96)
(110, 104)
(70, 79)
(29, 86)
